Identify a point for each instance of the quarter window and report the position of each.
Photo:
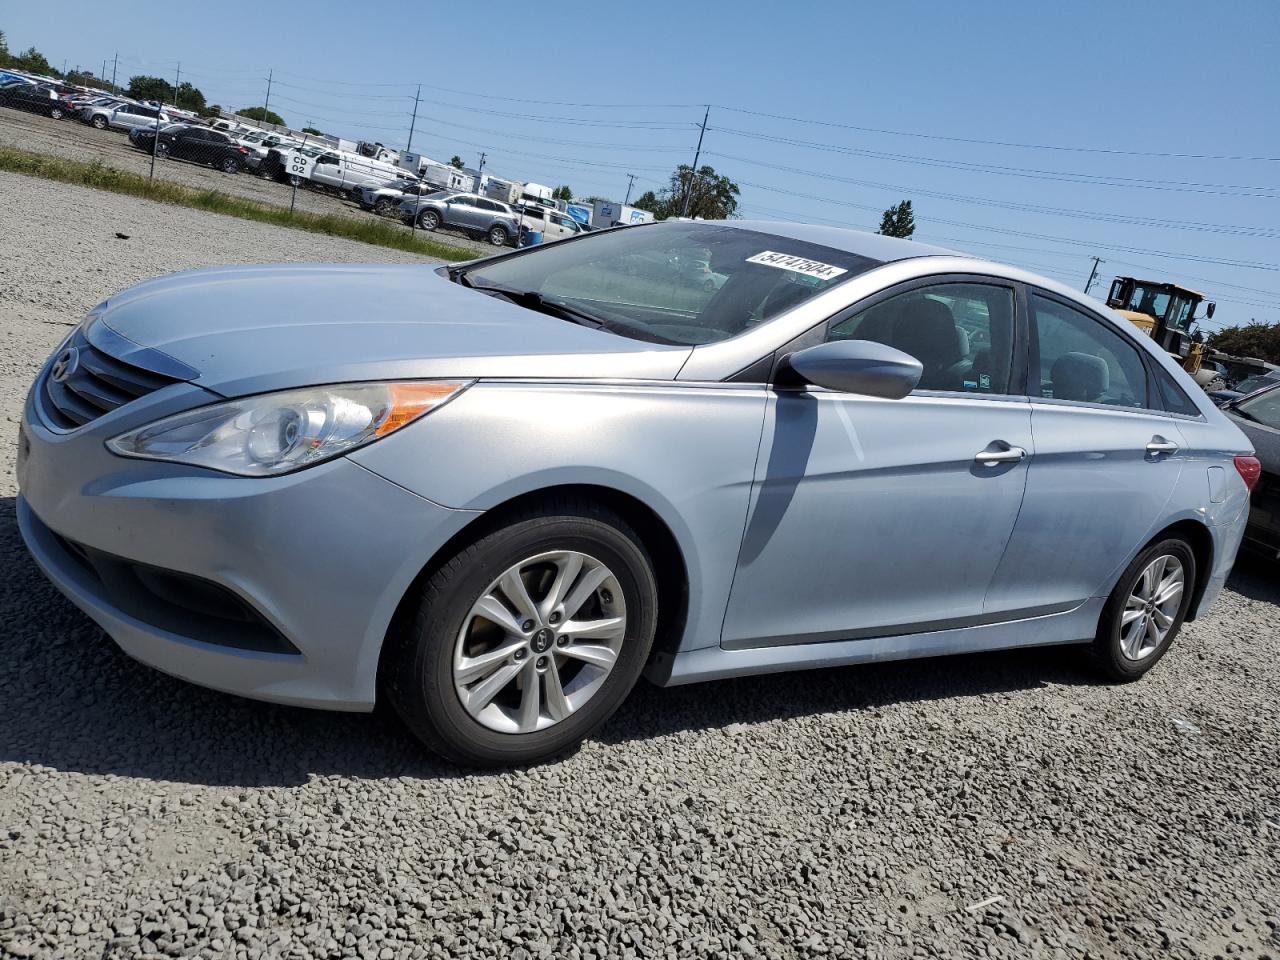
(1174, 397)
(962, 333)
(1076, 357)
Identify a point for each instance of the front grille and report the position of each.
(97, 383)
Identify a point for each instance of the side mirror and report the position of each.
(858, 366)
(1208, 310)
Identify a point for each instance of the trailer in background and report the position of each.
(606, 214)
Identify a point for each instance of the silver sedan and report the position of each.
(496, 494)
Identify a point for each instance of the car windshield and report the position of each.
(1256, 382)
(686, 283)
(1262, 408)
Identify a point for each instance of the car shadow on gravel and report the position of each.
(71, 700)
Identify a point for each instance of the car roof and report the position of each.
(871, 245)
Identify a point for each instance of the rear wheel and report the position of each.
(1145, 610)
(229, 165)
(384, 207)
(56, 113)
(162, 150)
(526, 640)
(99, 122)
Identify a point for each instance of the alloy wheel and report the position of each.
(540, 642)
(1152, 607)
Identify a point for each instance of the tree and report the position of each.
(189, 98)
(456, 162)
(6, 58)
(33, 61)
(898, 221)
(262, 115)
(313, 131)
(711, 196)
(143, 87)
(212, 110)
(1254, 339)
(562, 193)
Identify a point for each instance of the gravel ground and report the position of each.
(998, 805)
(73, 140)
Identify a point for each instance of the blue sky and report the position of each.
(1039, 134)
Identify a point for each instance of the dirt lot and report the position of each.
(1002, 805)
(77, 141)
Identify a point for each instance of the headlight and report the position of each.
(278, 432)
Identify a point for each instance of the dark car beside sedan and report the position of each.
(197, 144)
(42, 98)
(1258, 415)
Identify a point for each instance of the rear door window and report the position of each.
(1078, 358)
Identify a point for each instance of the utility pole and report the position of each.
(176, 79)
(631, 182)
(115, 60)
(481, 170)
(1093, 273)
(693, 174)
(103, 75)
(270, 74)
(414, 122)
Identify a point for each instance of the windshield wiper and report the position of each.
(532, 300)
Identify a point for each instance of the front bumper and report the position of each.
(323, 556)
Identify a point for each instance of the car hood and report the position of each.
(253, 329)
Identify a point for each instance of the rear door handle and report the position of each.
(1159, 445)
(991, 458)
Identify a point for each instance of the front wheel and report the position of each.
(499, 236)
(229, 165)
(428, 220)
(526, 641)
(56, 113)
(99, 122)
(1145, 610)
(162, 150)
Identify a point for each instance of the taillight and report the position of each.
(1250, 469)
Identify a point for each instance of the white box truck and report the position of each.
(609, 214)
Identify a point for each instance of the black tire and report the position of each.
(56, 113)
(229, 165)
(417, 671)
(498, 235)
(384, 207)
(99, 122)
(428, 220)
(162, 150)
(1106, 651)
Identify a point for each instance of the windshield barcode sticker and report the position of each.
(801, 265)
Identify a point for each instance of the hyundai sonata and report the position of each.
(497, 493)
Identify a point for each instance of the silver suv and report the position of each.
(473, 214)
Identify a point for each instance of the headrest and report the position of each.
(925, 329)
(1080, 376)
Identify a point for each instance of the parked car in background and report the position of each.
(386, 199)
(1245, 387)
(472, 214)
(133, 116)
(39, 98)
(99, 107)
(493, 494)
(551, 223)
(197, 144)
(1258, 415)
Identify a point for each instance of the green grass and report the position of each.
(99, 176)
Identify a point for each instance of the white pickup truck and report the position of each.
(337, 170)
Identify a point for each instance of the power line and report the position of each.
(1267, 233)
(996, 143)
(1031, 173)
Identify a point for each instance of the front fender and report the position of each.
(687, 451)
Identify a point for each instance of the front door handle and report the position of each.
(992, 458)
(1159, 445)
